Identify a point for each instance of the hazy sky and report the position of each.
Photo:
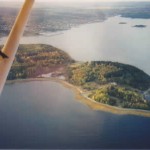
(78, 0)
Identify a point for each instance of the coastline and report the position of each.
(88, 101)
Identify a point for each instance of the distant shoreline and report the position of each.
(91, 103)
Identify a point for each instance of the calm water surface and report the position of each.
(44, 114)
(107, 40)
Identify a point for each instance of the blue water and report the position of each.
(44, 114)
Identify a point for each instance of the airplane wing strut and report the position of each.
(10, 48)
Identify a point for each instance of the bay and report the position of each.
(44, 114)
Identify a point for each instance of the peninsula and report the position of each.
(112, 84)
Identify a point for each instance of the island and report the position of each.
(140, 26)
(122, 23)
(103, 85)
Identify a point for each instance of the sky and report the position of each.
(76, 0)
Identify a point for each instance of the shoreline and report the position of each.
(88, 101)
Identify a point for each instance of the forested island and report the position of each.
(110, 83)
(122, 23)
(140, 26)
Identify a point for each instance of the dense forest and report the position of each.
(112, 83)
(120, 96)
(103, 72)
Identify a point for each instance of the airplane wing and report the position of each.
(10, 48)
